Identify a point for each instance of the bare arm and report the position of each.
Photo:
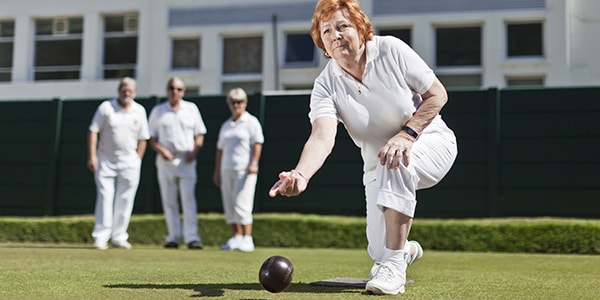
(198, 142)
(316, 149)
(217, 171)
(398, 147)
(141, 148)
(256, 151)
(92, 143)
(162, 151)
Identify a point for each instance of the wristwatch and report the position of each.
(410, 131)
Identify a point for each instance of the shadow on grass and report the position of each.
(218, 290)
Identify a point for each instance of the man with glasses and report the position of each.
(177, 134)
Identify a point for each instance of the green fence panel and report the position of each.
(550, 144)
(522, 152)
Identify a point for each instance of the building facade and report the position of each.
(79, 49)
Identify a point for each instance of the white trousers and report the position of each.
(237, 194)
(431, 158)
(178, 178)
(116, 186)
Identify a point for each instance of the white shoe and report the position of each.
(374, 269)
(388, 280)
(121, 244)
(247, 244)
(232, 244)
(417, 255)
(100, 245)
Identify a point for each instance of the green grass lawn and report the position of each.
(57, 271)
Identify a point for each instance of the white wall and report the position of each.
(570, 34)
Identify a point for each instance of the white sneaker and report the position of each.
(388, 280)
(247, 244)
(121, 244)
(417, 255)
(100, 245)
(232, 244)
(374, 269)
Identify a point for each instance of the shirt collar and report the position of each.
(372, 53)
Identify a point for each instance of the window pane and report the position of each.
(120, 50)
(242, 55)
(458, 46)
(403, 34)
(525, 82)
(461, 81)
(299, 48)
(57, 75)
(7, 29)
(120, 73)
(192, 90)
(114, 24)
(251, 87)
(58, 53)
(75, 25)
(6, 55)
(43, 26)
(5, 76)
(186, 54)
(525, 40)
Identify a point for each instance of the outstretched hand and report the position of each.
(290, 183)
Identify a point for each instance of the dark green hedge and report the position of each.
(539, 235)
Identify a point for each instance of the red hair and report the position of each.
(350, 9)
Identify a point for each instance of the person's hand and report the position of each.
(253, 169)
(190, 156)
(217, 179)
(92, 164)
(395, 150)
(290, 184)
(166, 154)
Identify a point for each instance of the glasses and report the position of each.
(179, 89)
(234, 102)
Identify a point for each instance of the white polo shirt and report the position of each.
(119, 130)
(176, 130)
(236, 139)
(374, 111)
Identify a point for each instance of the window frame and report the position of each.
(71, 71)
(508, 43)
(172, 53)
(9, 40)
(120, 69)
(301, 63)
(439, 47)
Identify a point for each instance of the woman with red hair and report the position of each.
(389, 101)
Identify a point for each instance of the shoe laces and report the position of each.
(385, 272)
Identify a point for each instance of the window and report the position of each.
(185, 54)
(403, 34)
(7, 33)
(120, 46)
(242, 55)
(251, 87)
(525, 81)
(58, 43)
(460, 80)
(299, 49)
(524, 40)
(459, 46)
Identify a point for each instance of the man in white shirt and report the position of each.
(177, 134)
(117, 140)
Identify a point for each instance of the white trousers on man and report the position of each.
(431, 157)
(116, 186)
(237, 194)
(178, 178)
